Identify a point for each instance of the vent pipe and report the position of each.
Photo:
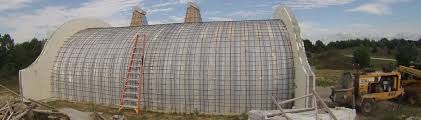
(192, 13)
(138, 18)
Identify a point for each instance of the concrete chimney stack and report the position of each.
(192, 13)
(138, 18)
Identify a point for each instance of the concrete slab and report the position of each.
(75, 114)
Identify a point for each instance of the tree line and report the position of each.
(14, 57)
(405, 51)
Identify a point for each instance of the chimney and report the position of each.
(138, 18)
(192, 13)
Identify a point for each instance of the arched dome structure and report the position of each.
(211, 67)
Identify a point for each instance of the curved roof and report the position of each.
(219, 67)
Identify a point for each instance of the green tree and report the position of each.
(361, 57)
(308, 45)
(6, 45)
(15, 57)
(374, 49)
(7, 64)
(319, 46)
(27, 52)
(406, 54)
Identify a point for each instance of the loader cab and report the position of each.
(380, 85)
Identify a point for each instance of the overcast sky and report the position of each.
(326, 20)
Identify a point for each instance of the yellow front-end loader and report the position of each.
(362, 90)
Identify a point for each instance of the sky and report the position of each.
(326, 20)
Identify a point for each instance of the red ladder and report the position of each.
(131, 94)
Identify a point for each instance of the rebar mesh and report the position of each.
(213, 67)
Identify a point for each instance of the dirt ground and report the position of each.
(324, 92)
(11, 84)
(146, 115)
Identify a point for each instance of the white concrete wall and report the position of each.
(35, 80)
(304, 76)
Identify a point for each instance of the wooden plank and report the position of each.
(344, 90)
(291, 111)
(315, 106)
(294, 99)
(324, 105)
(29, 99)
(280, 108)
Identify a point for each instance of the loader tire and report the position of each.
(368, 106)
(412, 99)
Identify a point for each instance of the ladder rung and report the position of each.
(131, 99)
(135, 67)
(138, 66)
(132, 90)
(137, 59)
(129, 106)
(132, 86)
(132, 93)
(134, 72)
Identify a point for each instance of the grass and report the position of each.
(147, 115)
(325, 83)
(11, 83)
(336, 59)
(331, 60)
(328, 77)
(381, 53)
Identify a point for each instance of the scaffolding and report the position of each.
(212, 67)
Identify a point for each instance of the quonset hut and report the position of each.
(211, 67)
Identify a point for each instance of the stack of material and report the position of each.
(16, 110)
(13, 108)
(322, 112)
(340, 112)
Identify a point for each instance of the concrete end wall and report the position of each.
(304, 76)
(35, 80)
